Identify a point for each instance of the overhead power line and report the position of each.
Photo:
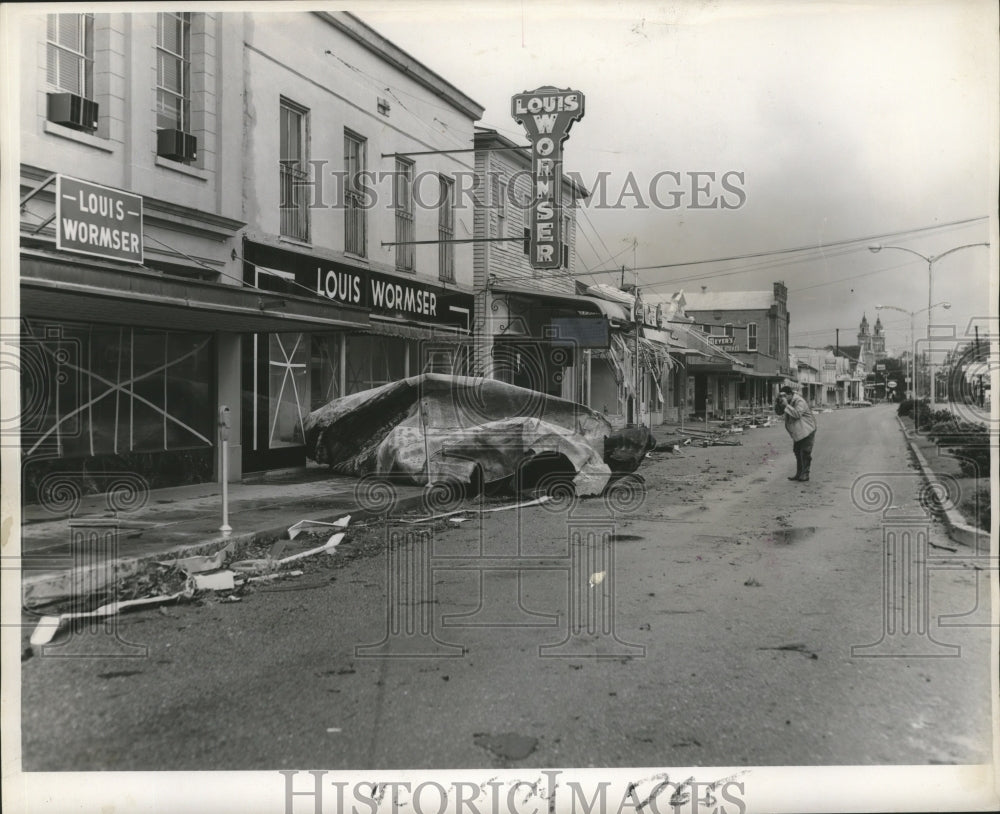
(824, 247)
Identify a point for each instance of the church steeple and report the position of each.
(864, 323)
(878, 325)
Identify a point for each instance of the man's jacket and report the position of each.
(799, 420)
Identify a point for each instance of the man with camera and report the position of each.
(801, 425)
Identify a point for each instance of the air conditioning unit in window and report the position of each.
(71, 110)
(176, 145)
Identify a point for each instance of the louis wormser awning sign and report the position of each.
(97, 220)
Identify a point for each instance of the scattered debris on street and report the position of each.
(48, 626)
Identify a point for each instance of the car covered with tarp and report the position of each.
(475, 431)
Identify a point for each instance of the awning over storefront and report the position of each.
(750, 373)
(708, 358)
(612, 310)
(380, 327)
(695, 341)
(102, 292)
(562, 319)
(595, 305)
(667, 338)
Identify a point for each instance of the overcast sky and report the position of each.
(845, 120)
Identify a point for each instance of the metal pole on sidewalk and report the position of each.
(638, 365)
(224, 423)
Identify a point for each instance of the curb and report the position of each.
(958, 530)
(55, 585)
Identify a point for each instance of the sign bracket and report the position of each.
(462, 150)
(453, 240)
(43, 224)
(38, 189)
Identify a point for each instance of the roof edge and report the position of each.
(485, 136)
(362, 33)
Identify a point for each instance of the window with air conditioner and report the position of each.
(174, 137)
(69, 57)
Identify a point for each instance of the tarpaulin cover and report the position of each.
(434, 427)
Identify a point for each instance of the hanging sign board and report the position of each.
(547, 115)
(97, 220)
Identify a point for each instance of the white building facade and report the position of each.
(291, 212)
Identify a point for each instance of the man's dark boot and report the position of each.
(806, 465)
(798, 466)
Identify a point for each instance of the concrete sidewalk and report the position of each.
(183, 521)
(957, 528)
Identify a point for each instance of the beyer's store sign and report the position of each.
(547, 115)
(275, 269)
(98, 220)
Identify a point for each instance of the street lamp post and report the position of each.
(930, 261)
(913, 354)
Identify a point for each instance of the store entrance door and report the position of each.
(285, 377)
(701, 395)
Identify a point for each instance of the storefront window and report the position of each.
(288, 388)
(325, 369)
(110, 391)
(373, 361)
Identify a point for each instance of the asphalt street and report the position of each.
(708, 620)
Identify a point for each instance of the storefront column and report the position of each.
(228, 362)
(482, 341)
